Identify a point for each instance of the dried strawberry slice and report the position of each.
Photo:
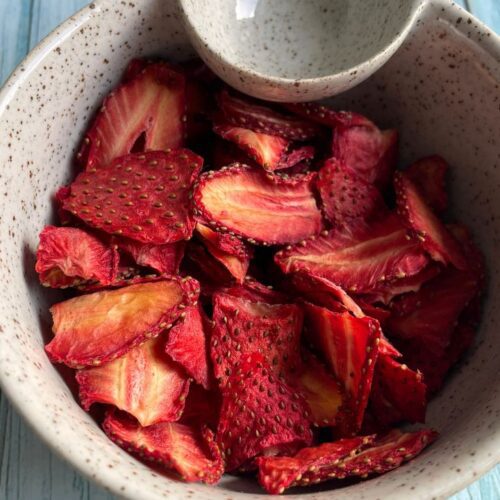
(385, 347)
(346, 196)
(142, 196)
(165, 259)
(384, 454)
(192, 453)
(429, 175)
(98, 327)
(297, 156)
(187, 344)
(388, 290)
(398, 393)
(144, 382)
(267, 150)
(260, 414)
(276, 474)
(323, 292)
(322, 391)
(225, 153)
(68, 256)
(329, 117)
(242, 112)
(259, 208)
(429, 315)
(357, 258)
(230, 251)
(350, 346)
(242, 327)
(152, 103)
(436, 239)
(367, 150)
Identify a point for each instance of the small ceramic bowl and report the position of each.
(440, 89)
(292, 50)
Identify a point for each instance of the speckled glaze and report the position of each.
(284, 50)
(441, 90)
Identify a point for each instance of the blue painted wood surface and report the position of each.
(28, 470)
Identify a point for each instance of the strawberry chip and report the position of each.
(187, 344)
(87, 334)
(242, 327)
(151, 103)
(141, 196)
(193, 454)
(256, 206)
(260, 414)
(68, 256)
(144, 382)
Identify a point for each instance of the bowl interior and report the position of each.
(296, 39)
(443, 101)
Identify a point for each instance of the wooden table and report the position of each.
(28, 469)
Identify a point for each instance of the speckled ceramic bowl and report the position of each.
(441, 90)
(296, 50)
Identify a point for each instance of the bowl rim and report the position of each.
(441, 489)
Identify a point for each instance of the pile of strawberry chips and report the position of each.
(254, 287)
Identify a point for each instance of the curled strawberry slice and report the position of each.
(260, 414)
(350, 347)
(68, 256)
(101, 326)
(357, 258)
(187, 344)
(151, 103)
(436, 239)
(142, 196)
(243, 112)
(257, 207)
(192, 453)
(144, 382)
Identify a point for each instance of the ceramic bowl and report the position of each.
(440, 89)
(291, 50)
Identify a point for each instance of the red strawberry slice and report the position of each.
(322, 391)
(367, 150)
(260, 414)
(324, 115)
(386, 453)
(242, 327)
(193, 454)
(346, 197)
(276, 474)
(254, 291)
(248, 203)
(357, 258)
(152, 103)
(297, 157)
(141, 196)
(385, 291)
(385, 347)
(144, 382)
(243, 112)
(68, 256)
(429, 315)
(165, 259)
(398, 393)
(267, 150)
(323, 292)
(99, 327)
(230, 251)
(436, 239)
(187, 344)
(350, 346)
(224, 153)
(429, 176)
